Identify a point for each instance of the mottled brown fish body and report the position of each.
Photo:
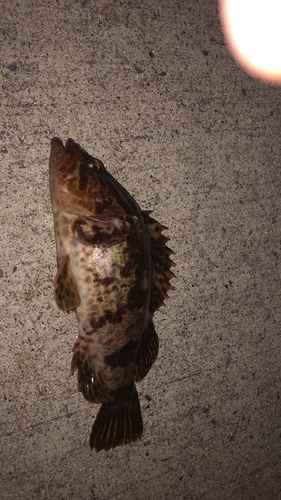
(114, 270)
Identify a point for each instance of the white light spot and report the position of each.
(252, 31)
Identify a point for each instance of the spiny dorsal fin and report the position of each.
(66, 289)
(160, 261)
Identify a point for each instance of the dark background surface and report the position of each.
(150, 88)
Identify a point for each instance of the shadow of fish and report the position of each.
(114, 271)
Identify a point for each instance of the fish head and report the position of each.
(81, 186)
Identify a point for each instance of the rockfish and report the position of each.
(113, 269)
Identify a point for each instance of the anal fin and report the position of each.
(147, 352)
(89, 377)
(66, 289)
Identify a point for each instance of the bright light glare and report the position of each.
(252, 29)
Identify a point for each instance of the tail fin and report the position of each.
(117, 423)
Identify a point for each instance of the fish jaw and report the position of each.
(80, 184)
(69, 171)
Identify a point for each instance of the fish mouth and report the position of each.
(73, 149)
(80, 185)
(70, 147)
(69, 174)
(65, 160)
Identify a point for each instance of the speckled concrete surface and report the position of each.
(149, 88)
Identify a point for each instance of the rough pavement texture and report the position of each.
(149, 87)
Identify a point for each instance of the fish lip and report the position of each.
(69, 145)
(56, 141)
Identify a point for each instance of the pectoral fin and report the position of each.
(66, 289)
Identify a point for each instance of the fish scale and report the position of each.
(114, 271)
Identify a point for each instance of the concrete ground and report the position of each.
(149, 87)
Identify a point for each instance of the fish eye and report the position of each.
(94, 164)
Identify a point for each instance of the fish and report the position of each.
(114, 271)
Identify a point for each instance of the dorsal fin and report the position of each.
(160, 262)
